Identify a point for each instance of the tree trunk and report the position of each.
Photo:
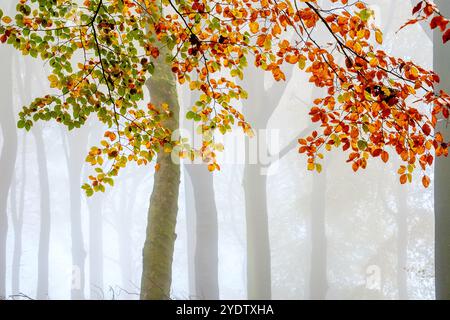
(206, 244)
(17, 250)
(402, 242)
(191, 238)
(17, 209)
(125, 225)
(258, 110)
(442, 173)
(95, 205)
(77, 146)
(7, 156)
(254, 182)
(162, 215)
(258, 246)
(44, 226)
(202, 225)
(318, 284)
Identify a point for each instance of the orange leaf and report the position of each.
(426, 181)
(403, 178)
(385, 156)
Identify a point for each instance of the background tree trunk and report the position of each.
(203, 229)
(258, 246)
(254, 183)
(45, 219)
(17, 208)
(77, 150)
(257, 110)
(190, 237)
(7, 156)
(442, 172)
(95, 206)
(402, 242)
(95, 209)
(206, 244)
(318, 284)
(124, 224)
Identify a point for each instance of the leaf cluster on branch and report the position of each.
(426, 10)
(102, 52)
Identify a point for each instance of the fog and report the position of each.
(282, 231)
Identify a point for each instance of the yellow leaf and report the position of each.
(6, 19)
(301, 62)
(53, 81)
(379, 37)
(318, 167)
(374, 62)
(254, 27)
(414, 72)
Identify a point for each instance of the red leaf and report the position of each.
(446, 36)
(445, 112)
(435, 22)
(417, 7)
(426, 129)
(439, 21)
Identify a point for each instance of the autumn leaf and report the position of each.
(426, 181)
(446, 36)
(254, 27)
(403, 178)
(6, 19)
(379, 37)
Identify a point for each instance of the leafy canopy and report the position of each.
(103, 51)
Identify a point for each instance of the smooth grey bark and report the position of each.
(257, 110)
(17, 209)
(258, 245)
(7, 157)
(206, 244)
(95, 206)
(191, 238)
(77, 144)
(441, 54)
(17, 221)
(259, 282)
(162, 215)
(124, 248)
(402, 243)
(95, 209)
(203, 229)
(44, 194)
(318, 283)
(125, 218)
(45, 218)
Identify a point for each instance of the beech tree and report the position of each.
(103, 52)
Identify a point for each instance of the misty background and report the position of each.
(334, 235)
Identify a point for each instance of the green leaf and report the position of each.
(190, 115)
(362, 145)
